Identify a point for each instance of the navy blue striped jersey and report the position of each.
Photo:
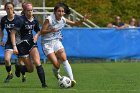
(27, 28)
(9, 25)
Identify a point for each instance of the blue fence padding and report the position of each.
(108, 43)
(1, 52)
(102, 43)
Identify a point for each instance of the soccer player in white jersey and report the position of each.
(51, 39)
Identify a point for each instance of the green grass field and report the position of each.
(91, 78)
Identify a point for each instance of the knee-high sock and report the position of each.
(8, 69)
(56, 72)
(68, 69)
(41, 74)
(23, 69)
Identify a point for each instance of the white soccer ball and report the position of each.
(64, 82)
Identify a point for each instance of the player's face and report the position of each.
(9, 9)
(29, 12)
(60, 12)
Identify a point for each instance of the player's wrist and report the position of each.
(14, 45)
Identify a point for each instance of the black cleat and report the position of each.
(10, 76)
(44, 86)
(23, 78)
(17, 70)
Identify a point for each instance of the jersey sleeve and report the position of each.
(49, 18)
(64, 19)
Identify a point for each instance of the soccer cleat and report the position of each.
(73, 82)
(17, 70)
(58, 76)
(10, 76)
(44, 86)
(23, 78)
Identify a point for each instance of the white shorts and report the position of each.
(50, 46)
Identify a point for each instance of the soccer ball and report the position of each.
(64, 82)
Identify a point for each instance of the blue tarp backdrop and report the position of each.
(108, 43)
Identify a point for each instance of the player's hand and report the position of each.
(54, 30)
(2, 43)
(15, 50)
(35, 38)
(86, 16)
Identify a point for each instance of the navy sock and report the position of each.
(8, 68)
(23, 69)
(41, 74)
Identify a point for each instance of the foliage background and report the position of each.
(101, 11)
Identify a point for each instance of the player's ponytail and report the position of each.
(23, 8)
(67, 10)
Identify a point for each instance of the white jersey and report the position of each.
(53, 23)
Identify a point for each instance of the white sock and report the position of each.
(68, 69)
(56, 72)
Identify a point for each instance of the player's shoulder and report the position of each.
(51, 18)
(21, 18)
(35, 18)
(4, 18)
(63, 19)
(17, 17)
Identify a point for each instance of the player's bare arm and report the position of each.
(12, 35)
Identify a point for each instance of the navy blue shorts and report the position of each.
(8, 46)
(25, 47)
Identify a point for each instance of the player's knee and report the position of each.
(7, 61)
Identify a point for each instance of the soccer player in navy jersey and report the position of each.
(8, 22)
(27, 45)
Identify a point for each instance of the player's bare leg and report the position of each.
(62, 56)
(56, 65)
